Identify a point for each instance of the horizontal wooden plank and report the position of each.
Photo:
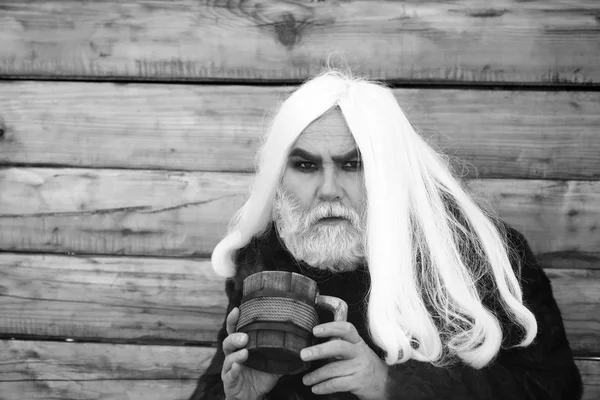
(148, 300)
(509, 134)
(463, 41)
(55, 370)
(97, 390)
(577, 293)
(560, 219)
(162, 213)
(56, 361)
(590, 374)
(145, 300)
(41, 370)
(117, 211)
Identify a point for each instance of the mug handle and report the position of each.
(338, 307)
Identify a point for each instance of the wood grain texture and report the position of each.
(147, 300)
(508, 134)
(162, 213)
(462, 41)
(577, 293)
(117, 211)
(97, 390)
(560, 219)
(43, 360)
(91, 371)
(115, 299)
(42, 370)
(590, 374)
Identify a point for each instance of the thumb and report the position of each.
(232, 320)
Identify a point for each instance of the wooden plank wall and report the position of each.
(127, 137)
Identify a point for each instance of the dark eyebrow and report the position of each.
(298, 152)
(346, 156)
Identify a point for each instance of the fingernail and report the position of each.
(305, 354)
(317, 330)
(242, 339)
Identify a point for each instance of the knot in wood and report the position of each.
(289, 30)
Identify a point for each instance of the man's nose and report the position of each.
(330, 188)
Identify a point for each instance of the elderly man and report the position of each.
(445, 300)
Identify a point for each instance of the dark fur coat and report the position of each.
(544, 370)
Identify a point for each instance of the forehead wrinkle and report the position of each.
(321, 142)
(328, 125)
(325, 134)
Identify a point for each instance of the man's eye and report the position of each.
(353, 165)
(305, 166)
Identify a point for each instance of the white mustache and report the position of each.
(332, 210)
(336, 248)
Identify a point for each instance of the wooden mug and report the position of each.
(278, 312)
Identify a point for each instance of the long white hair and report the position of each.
(428, 243)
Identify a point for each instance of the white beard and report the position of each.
(336, 247)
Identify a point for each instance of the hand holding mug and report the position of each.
(239, 381)
(354, 367)
(278, 312)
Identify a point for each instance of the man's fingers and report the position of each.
(231, 377)
(332, 370)
(338, 349)
(234, 342)
(335, 385)
(234, 358)
(339, 329)
(232, 320)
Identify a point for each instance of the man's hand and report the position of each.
(355, 367)
(239, 381)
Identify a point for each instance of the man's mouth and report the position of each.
(332, 220)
